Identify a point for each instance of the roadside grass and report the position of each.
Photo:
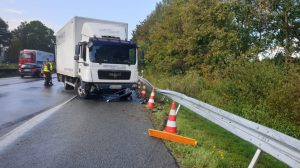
(8, 66)
(224, 94)
(216, 146)
(8, 70)
(7, 74)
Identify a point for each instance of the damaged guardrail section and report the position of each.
(281, 146)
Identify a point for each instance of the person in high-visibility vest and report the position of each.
(51, 70)
(47, 68)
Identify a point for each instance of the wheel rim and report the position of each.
(81, 91)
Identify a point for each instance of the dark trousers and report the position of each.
(48, 76)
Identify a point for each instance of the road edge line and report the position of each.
(16, 133)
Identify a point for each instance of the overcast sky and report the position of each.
(55, 13)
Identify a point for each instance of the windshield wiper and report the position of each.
(127, 62)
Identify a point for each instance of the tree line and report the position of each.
(212, 50)
(183, 34)
(28, 35)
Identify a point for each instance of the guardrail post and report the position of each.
(178, 108)
(255, 158)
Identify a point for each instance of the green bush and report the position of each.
(259, 91)
(8, 66)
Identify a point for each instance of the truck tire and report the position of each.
(81, 92)
(67, 86)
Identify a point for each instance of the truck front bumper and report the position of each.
(116, 86)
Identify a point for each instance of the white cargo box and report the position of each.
(41, 56)
(81, 29)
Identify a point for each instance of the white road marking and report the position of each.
(16, 133)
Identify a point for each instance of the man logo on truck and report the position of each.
(115, 74)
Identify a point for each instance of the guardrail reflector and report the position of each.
(172, 137)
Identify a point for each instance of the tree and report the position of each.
(4, 33)
(270, 23)
(286, 24)
(33, 35)
(5, 36)
(181, 35)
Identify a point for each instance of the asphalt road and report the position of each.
(82, 133)
(17, 80)
(20, 99)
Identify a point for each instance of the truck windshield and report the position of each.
(25, 56)
(113, 54)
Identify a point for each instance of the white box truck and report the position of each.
(94, 55)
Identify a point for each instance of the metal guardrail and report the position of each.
(275, 143)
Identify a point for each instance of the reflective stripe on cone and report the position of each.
(150, 104)
(144, 91)
(171, 124)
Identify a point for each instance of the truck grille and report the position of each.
(114, 74)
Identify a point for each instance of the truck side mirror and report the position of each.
(77, 50)
(142, 57)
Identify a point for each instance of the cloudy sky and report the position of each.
(55, 13)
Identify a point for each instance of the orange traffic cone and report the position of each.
(171, 124)
(150, 104)
(144, 92)
(139, 86)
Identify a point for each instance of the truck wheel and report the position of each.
(67, 86)
(81, 92)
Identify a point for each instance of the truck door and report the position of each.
(83, 66)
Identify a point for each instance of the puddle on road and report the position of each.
(3, 94)
(33, 87)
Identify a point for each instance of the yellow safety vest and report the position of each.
(45, 68)
(51, 66)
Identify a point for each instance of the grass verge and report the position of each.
(8, 70)
(216, 146)
(8, 66)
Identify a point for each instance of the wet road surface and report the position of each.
(20, 99)
(17, 80)
(84, 133)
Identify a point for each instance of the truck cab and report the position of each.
(107, 63)
(95, 55)
(27, 56)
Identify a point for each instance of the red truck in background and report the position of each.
(31, 62)
(34, 56)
